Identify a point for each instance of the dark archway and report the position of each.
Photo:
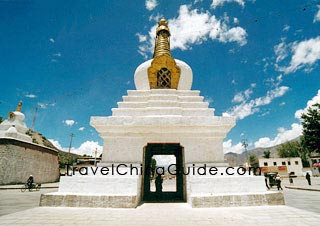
(165, 196)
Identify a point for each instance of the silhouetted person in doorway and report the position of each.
(308, 177)
(158, 182)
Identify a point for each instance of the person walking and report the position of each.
(266, 181)
(308, 177)
(278, 182)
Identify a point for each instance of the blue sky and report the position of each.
(255, 60)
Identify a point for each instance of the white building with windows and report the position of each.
(283, 166)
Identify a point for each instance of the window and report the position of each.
(265, 164)
(164, 78)
(283, 163)
(296, 162)
(274, 163)
(289, 163)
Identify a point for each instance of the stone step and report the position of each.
(191, 98)
(164, 92)
(194, 104)
(161, 97)
(148, 111)
(149, 97)
(153, 103)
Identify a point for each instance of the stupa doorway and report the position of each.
(163, 182)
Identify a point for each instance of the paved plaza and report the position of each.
(302, 208)
(12, 201)
(163, 214)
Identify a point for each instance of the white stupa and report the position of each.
(14, 126)
(163, 116)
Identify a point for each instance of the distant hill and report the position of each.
(38, 138)
(235, 159)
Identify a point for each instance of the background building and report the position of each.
(283, 166)
(24, 152)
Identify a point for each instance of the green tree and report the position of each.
(253, 161)
(1, 119)
(153, 167)
(289, 149)
(311, 129)
(293, 149)
(266, 154)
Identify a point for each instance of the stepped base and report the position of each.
(105, 201)
(94, 201)
(229, 200)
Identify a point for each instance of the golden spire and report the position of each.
(162, 46)
(163, 72)
(19, 106)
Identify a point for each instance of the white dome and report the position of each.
(12, 129)
(19, 115)
(141, 80)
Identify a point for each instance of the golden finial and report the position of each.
(19, 106)
(162, 46)
(163, 72)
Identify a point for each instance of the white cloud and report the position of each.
(228, 147)
(317, 16)
(281, 50)
(282, 136)
(142, 38)
(208, 99)
(194, 27)
(69, 122)
(57, 54)
(155, 17)
(305, 54)
(51, 40)
(87, 147)
(244, 95)
(42, 105)
(235, 20)
(292, 133)
(235, 34)
(151, 4)
(216, 3)
(56, 144)
(314, 100)
(45, 105)
(81, 128)
(286, 27)
(247, 108)
(31, 96)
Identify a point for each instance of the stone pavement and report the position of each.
(302, 208)
(163, 214)
(305, 200)
(12, 201)
(301, 183)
